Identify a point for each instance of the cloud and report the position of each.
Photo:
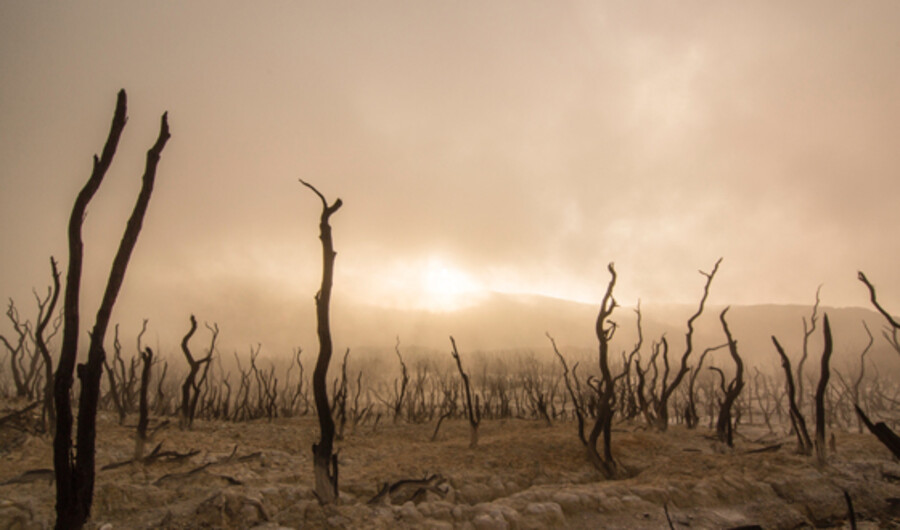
(527, 144)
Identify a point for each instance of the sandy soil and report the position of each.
(523, 474)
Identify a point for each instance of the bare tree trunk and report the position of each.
(662, 407)
(893, 323)
(404, 381)
(804, 444)
(325, 467)
(820, 392)
(862, 372)
(724, 426)
(603, 422)
(691, 418)
(472, 409)
(577, 401)
(143, 407)
(75, 472)
(808, 330)
(43, 320)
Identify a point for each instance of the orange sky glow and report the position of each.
(478, 147)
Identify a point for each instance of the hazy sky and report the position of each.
(513, 146)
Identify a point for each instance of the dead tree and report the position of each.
(114, 392)
(325, 464)
(798, 422)
(400, 392)
(893, 323)
(893, 337)
(662, 407)
(19, 352)
(691, 418)
(300, 391)
(577, 399)
(45, 313)
(143, 406)
(630, 407)
(74, 470)
(862, 372)
(820, 392)
(724, 425)
(605, 329)
(881, 431)
(190, 389)
(473, 411)
(339, 399)
(808, 330)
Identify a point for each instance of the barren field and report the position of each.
(523, 474)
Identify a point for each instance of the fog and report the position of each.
(514, 147)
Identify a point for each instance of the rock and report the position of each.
(409, 513)
(497, 488)
(485, 521)
(460, 513)
(436, 510)
(228, 508)
(338, 521)
(548, 514)
(475, 493)
(569, 502)
(498, 513)
(16, 515)
(437, 525)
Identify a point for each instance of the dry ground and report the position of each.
(524, 474)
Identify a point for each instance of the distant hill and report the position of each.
(507, 322)
(519, 322)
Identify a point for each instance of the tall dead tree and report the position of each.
(190, 389)
(893, 322)
(46, 312)
(820, 391)
(880, 429)
(893, 325)
(862, 371)
(325, 465)
(19, 352)
(605, 329)
(143, 404)
(724, 425)
(662, 406)
(75, 469)
(400, 392)
(798, 423)
(571, 384)
(473, 411)
(691, 418)
(808, 330)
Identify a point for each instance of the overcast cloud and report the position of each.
(519, 145)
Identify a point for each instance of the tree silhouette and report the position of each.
(75, 469)
(325, 466)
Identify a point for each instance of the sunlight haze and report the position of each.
(478, 147)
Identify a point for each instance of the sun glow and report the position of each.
(431, 283)
(445, 287)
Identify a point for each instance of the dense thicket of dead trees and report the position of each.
(526, 389)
